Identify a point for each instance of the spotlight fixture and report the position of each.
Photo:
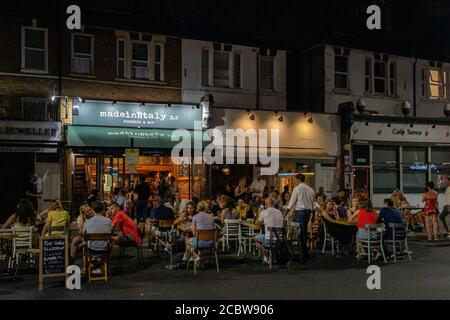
(83, 100)
(279, 117)
(53, 98)
(389, 125)
(366, 124)
(169, 105)
(411, 125)
(310, 120)
(251, 115)
(198, 106)
(114, 102)
(433, 126)
(142, 103)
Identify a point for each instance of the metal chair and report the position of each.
(328, 238)
(268, 249)
(140, 256)
(373, 242)
(205, 235)
(165, 238)
(399, 241)
(230, 233)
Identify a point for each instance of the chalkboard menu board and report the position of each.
(53, 258)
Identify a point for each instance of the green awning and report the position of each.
(88, 136)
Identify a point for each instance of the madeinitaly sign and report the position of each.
(135, 115)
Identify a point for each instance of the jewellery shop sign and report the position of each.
(30, 131)
(136, 115)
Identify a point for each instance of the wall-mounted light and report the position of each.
(389, 125)
(279, 116)
(310, 120)
(142, 103)
(406, 108)
(433, 126)
(114, 102)
(366, 124)
(411, 125)
(251, 115)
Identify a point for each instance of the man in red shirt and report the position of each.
(129, 232)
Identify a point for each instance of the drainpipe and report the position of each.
(415, 85)
(257, 80)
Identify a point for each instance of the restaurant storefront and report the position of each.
(385, 156)
(109, 145)
(305, 146)
(28, 147)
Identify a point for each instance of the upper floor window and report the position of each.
(221, 69)
(341, 71)
(380, 76)
(266, 73)
(34, 49)
(435, 83)
(159, 62)
(139, 56)
(82, 53)
(139, 60)
(121, 58)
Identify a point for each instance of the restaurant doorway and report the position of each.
(361, 181)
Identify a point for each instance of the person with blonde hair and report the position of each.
(85, 213)
(57, 217)
(201, 221)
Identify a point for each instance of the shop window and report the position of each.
(415, 169)
(82, 53)
(34, 49)
(386, 171)
(440, 166)
(221, 69)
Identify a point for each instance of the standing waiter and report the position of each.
(302, 200)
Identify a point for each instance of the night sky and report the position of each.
(408, 26)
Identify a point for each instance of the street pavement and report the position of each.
(323, 277)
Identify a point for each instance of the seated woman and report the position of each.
(77, 242)
(354, 207)
(228, 211)
(342, 232)
(364, 216)
(57, 217)
(201, 221)
(25, 216)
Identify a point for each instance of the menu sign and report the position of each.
(131, 160)
(53, 258)
(136, 115)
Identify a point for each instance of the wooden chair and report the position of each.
(205, 235)
(314, 230)
(89, 254)
(63, 229)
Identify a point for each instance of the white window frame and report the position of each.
(84, 56)
(342, 73)
(24, 69)
(209, 80)
(443, 85)
(388, 79)
(124, 59)
(147, 61)
(229, 69)
(160, 63)
(233, 70)
(267, 58)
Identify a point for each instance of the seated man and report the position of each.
(389, 215)
(161, 212)
(271, 218)
(99, 223)
(128, 232)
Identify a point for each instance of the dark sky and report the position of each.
(294, 24)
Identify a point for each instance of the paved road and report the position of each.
(324, 277)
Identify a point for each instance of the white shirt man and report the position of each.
(271, 218)
(302, 198)
(257, 187)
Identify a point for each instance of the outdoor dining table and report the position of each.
(254, 229)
